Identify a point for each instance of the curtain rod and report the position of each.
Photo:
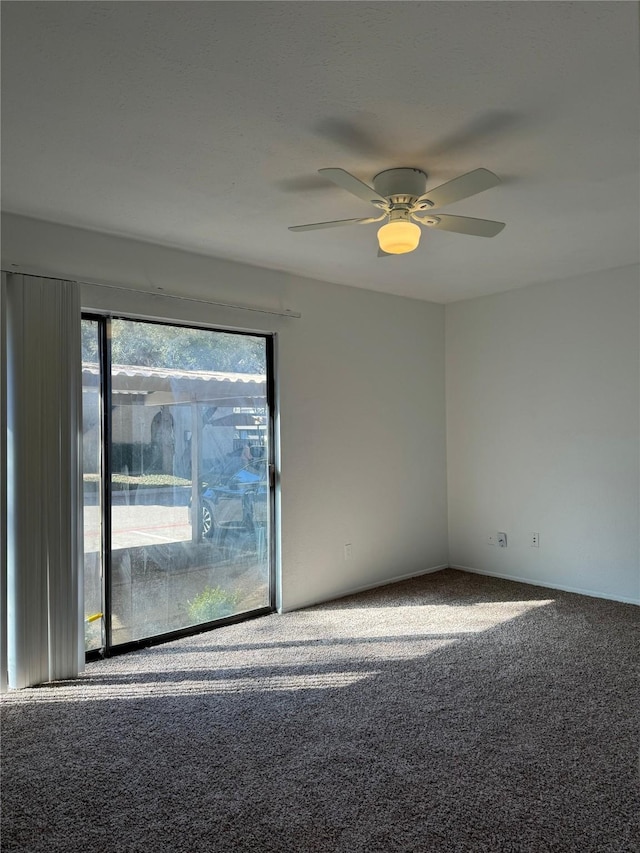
(286, 313)
(295, 315)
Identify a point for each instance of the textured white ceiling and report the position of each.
(203, 124)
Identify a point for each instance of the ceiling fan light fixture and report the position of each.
(399, 237)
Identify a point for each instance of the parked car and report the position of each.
(235, 500)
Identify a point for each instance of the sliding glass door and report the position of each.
(178, 497)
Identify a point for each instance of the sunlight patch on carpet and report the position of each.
(87, 692)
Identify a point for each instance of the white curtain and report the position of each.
(42, 409)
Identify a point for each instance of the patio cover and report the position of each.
(166, 386)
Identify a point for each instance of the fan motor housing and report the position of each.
(401, 182)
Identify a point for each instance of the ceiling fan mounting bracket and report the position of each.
(411, 183)
(426, 220)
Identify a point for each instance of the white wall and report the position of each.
(361, 397)
(543, 433)
(542, 414)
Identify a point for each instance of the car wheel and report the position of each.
(207, 520)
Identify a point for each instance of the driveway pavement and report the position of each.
(136, 525)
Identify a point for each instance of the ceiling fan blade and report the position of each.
(335, 223)
(462, 187)
(353, 185)
(464, 225)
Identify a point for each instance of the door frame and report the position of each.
(104, 320)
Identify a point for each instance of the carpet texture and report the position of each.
(451, 712)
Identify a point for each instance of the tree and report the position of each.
(157, 345)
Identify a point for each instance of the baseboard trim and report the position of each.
(357, 589)
(394, 580)
(547, 585)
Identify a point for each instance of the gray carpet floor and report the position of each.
(451, 712)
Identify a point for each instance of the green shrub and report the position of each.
(151, 481)
(212, 603)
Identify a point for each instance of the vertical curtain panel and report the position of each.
(43, 414)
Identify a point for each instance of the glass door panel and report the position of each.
(190, 496)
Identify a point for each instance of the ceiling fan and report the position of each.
(402, 197)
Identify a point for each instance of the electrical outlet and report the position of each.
(492, 539)
(348, 551)
(502, 540)
(534, 540)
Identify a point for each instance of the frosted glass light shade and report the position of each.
(396, 238)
